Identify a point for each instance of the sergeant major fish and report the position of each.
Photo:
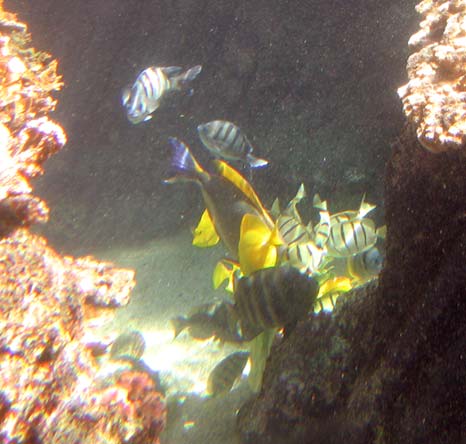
(144, 96)
(226, 372)
(225, 140)
(271, 298)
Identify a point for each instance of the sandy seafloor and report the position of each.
(172, 277)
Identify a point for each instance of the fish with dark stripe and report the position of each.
(352, 237)
(226, 372)
(144, 96)
(226, 141)
(271, 298)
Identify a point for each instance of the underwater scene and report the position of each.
(232, 222)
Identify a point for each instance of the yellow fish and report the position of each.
(228, 196)
(224, 270)
(258, 244)
(329, 292)
(204, 234)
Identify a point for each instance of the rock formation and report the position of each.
(434, 99)
(49, 392)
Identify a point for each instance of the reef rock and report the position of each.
(49, 304)
(434, 99)
(388, 366)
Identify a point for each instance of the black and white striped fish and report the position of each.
(305, 256)
(226, 141)
(352, 237)
(365, 266)
(143, 97)
(271, 298)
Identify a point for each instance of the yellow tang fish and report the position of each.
(204, 234)
(228, 196)
(225, 270)
(258, 244)
(329, 292)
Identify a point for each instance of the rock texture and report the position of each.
(389, 367)
(49, 392)
(434, 99)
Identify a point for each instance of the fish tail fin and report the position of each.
(179, 324)
(182, 80)
(184, 165)
(256, 162)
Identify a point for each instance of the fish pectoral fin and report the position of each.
(257, 244)
(205, 234)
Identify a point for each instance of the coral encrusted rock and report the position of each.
(50, 304)
(434, 99)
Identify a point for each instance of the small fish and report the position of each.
(226, 141)
(273, 297)
(352, 237)
(330, 291)
(365, 266)
(200, 322)
(228, 196)
(128, 346)
(144, 96)
(305, 256)
(322, 229)
(207, 321)
(226, 372)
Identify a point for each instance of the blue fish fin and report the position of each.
(184, 166)
(256, 162)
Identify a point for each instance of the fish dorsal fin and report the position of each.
(275, 209)
(233, 176)
(365, 207)
(318, 203)
(205, 234)
(291, 209)
(257, 244)
(170, 71)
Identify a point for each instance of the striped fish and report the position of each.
(322, 229)
(366, 265)
(144, 96)
(289, 222)
(226, 141)
(272, 297)
(226, 372)
(305, 256)
(351, 237)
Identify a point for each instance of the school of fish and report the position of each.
(279, 269)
